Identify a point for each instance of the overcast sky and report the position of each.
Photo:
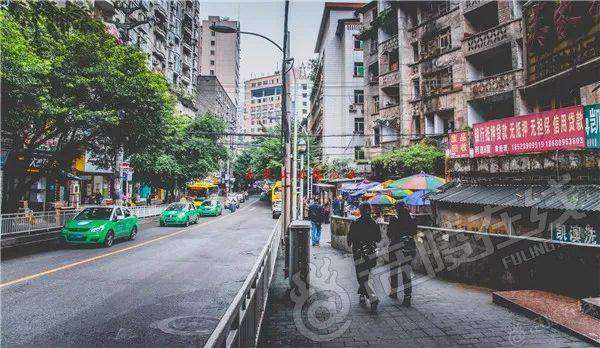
(259, 57)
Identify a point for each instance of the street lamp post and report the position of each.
(301, 150)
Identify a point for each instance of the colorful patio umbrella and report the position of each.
(400, 193)
(199, 185)
(386, 183)
(417, 199)
(421, 181)
(382, 200)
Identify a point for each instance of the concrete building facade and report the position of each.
(169, 39)
(337, 98)
(220, 55)
(212, 98)
(432, 67)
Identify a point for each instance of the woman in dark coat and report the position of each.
(401, 232)
(362, 238)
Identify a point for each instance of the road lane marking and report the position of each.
(95, 258)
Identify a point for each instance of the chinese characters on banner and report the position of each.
(459, 144)
(592, 126)
(575, 234)
(560, 129)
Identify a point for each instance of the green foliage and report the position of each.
(68, 87)
(187, 152)
(409, 160)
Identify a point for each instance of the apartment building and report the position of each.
(437, 66)
(212, 98)
(169, 37)
(220, 55)
(262, 103)
(337, 97)
(300, 86)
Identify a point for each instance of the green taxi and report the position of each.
(181, 213)
(211, 208)
(100, 225)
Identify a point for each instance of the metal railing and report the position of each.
(35, 222)
(240, 325)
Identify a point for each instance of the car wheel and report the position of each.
(187, 222)
(133, 233)
(162, 224)
(109, 240)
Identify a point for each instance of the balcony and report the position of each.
(389, 45)
(186, 62)
(494, 85)
(493, 37)
(160, 31)
(159, 49)
(389, 112)
(471, 5)
(160, 9)
(390, 79)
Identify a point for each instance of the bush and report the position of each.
(409, 160)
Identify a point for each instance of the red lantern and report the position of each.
(334, 175)
(316, 174)
(301, 174)
(267, 173)
(351, 174)
(249, 175)
(283, 175)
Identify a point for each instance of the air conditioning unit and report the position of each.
(352, 108)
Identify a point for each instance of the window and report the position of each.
(304, 95)
(438, 82)
(415, 47)
(212, 33)
(212, 72)
(359, 69)
(416, 89)
(376, 136)
(359, 125)
(212, 62)
(359, 96)
(304, 111)
(118, 212)
(304, 86)
(126, 212)
(304, 103)
(359, 153)
(212, 42)
(376, 104)
(212, 52)
(358, 44)
(445, 41)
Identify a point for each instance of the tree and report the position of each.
(70, 88)
(409, 160)
(191, 150)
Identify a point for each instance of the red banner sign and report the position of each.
(560, 129)
(458, 144)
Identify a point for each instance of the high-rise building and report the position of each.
(212, 98)
(169, 37)
(337, 98)
(262, 100)
(220, 55)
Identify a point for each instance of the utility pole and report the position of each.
(285, 141)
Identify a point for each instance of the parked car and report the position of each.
(180, 213)
(100, 225)
(276, 209)
(211, 208)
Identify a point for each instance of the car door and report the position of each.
(120, 223)
(193, 212)
(129, 221)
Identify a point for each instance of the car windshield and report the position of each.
(208, 203)
(94, 214)
(177, 206)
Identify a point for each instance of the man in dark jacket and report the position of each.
(362, 238)
(401, 232)
(316, 217)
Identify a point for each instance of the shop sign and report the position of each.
(575, 234)
(560, 129)
(592, 126)
(459, 145)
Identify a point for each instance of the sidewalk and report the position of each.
(442, 313)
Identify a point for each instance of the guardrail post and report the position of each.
(299, 232)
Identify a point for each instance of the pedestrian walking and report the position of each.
(316, 217)
(326, 212)
(362, 238)
(401, 232)
(338, 206)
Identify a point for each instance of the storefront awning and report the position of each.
(565, 197)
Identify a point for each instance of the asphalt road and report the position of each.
(169, 287)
